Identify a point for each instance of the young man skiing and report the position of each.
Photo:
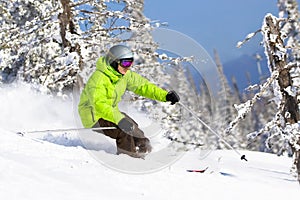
(98, 106)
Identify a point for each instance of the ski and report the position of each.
(197, 170)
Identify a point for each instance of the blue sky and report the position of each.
(215, 24)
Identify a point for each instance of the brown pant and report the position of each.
(135, 145)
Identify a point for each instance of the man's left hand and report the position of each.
(173, 97)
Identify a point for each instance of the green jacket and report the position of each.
(104, 90)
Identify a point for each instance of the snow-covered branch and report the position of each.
(245, 108)
(248, 37)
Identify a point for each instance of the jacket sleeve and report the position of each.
(141, 86)
(103, 104)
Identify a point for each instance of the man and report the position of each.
(98, 106)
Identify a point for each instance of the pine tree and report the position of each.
(226, 110)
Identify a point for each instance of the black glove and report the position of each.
(173, 97)
(125, 125)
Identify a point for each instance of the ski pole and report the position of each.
(243, 157)
(67, 129)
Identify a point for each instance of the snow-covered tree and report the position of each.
(284, 129)
(225, 107)
(39, 43)
(290, 81)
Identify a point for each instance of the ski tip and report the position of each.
(197, 170)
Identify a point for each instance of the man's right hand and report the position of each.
(125, 125)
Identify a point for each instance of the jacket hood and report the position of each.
(108, 70)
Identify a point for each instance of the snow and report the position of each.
(65, 165)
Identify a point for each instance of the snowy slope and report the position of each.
(54, 167)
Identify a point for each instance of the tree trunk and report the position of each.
(276, 54)
(67, 24)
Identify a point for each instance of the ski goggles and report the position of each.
(126, 63)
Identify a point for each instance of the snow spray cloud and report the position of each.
(166, 148)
